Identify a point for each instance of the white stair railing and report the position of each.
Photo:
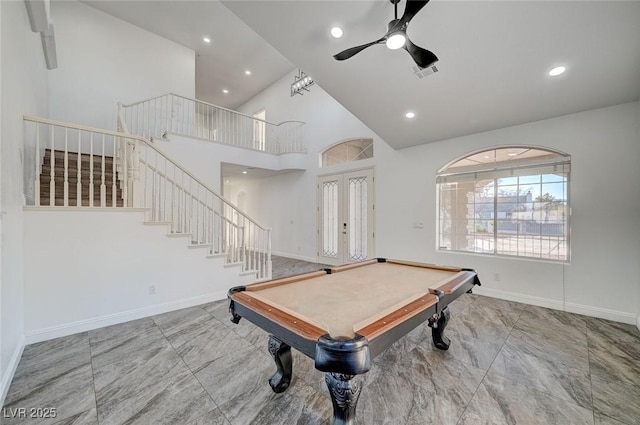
(78, 164)
(171, 113)
(141, 176)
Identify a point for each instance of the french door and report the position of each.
(346, 217)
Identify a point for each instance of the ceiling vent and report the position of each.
(420, 73)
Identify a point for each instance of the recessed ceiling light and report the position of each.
(247, 72)
(225, 91)
(558, 70)
(512, 154)
(206, 39)
(244, 172)
(410, 114)
(336, 32)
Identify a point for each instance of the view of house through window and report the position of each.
(349, 151)
(506, 201)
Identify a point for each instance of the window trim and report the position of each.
(494, 171)
(345, 142)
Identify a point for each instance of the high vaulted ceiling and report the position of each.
(234, 47)
(494, 57)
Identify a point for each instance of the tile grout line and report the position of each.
(93, 377)
(490, 365)
(189, 367)
(593, 407)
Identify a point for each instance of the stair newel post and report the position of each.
(52, 163)
(179, 203)
(91, 188)
(66, 168)
(263, 254)
(174, 214)
(208, 209)
(269, 269)
(103, 186)
(213, 224)
(166, 204)
(198, 219)
(254, 252)
(37, 163)
(79, 172)
(155, 191)
(124, 169)
(243, 239)
(114, 187)
(133, 153)
(137, 196)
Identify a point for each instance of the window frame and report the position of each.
(553, 163)
(346, 144)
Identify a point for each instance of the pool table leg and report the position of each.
(281, 353)
(344, 396)
(437, 332)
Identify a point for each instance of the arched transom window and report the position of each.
(349, 151)
(510, 201)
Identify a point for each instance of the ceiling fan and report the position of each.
(396, 36)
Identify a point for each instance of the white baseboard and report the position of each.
(113, 319)
(8, 374)
(295, 257)
(603, 313)
(520, 298)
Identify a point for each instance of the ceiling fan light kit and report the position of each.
(396, 36)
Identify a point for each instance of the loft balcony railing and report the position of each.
(95, 168)
(171, 113)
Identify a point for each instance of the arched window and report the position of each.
(506, 201)
(349, 151)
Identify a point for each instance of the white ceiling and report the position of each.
(220, 65)
(494, 57)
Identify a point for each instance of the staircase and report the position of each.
(87, 169)
(79, 166)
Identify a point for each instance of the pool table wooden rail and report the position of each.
(303, 333)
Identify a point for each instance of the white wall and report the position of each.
(24, 90)
(203, 158)
(603, 277)
(88, 269)
(288, 202)
(103, 60)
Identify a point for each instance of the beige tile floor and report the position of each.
(509, 363)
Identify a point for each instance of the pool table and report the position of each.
(345, 316)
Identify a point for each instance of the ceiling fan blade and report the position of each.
(410, 10)
(422, 57)
(346, 54)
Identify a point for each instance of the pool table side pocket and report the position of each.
(453, 284)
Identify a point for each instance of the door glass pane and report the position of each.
(330, 219)
(358, 218)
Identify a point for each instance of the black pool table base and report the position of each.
(344, 389)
